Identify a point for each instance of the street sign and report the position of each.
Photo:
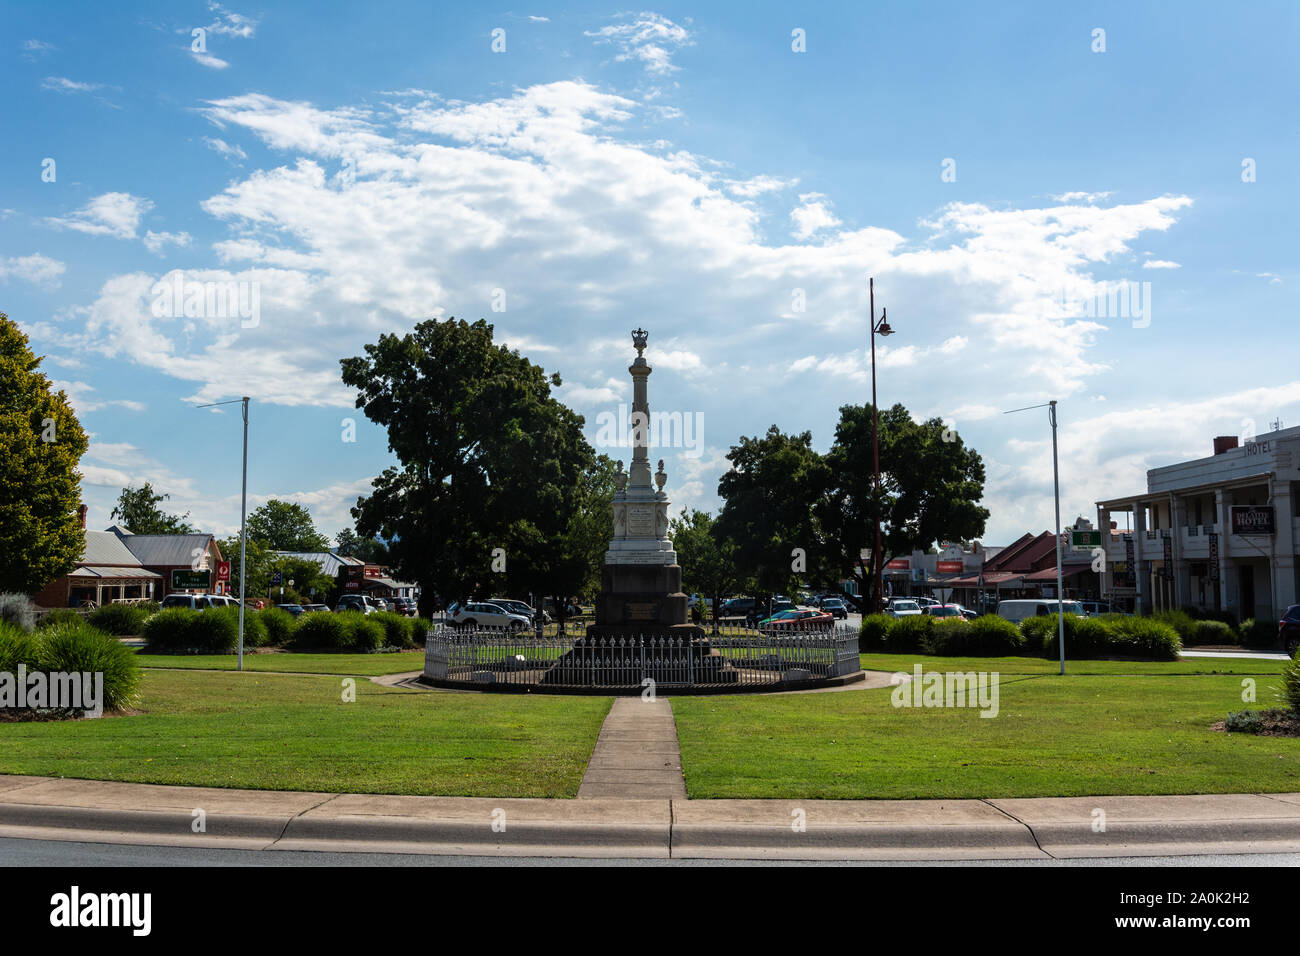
(276, 577)
(1085, 540)
(223, 570)
(187, 580)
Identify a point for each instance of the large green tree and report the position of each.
(349, 544)
(931, 483)
(137, 508)
(286, 526)
(489, 463)
(41, 444)
(767, 515)
(707, 560)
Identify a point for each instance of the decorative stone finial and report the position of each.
(638, 340)
(661, 477)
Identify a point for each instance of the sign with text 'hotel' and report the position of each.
(1253, 519)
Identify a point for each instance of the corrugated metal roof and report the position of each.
(135, 573)
(106, 548)
(165, 550)
(329, 561)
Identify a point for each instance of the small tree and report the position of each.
(41, 444)
(137, 508)
(286, 526)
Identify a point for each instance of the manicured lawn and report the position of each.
(361, 665)
(1071, 736)
(1040, 665)
(296, 733)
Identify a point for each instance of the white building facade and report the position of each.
(1217, 533)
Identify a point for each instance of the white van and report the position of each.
(198, 602)
(1017, 611)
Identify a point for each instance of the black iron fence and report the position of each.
(483, 657)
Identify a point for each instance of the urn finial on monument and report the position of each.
(639, 337)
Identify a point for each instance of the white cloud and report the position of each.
(61, 84)
(112, 214)
(155, 242)
(1161, 264)
(229, 151)
(749, 188)
(79, 396)
(37, 269)
(1077, 196)
(231, 24)
(208, 60)
(648, 37)
(813, 216)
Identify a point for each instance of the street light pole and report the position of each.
(243, 524)
(1056, 490)
(884, 329)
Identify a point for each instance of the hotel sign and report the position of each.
(1214, 556)
(899, 564)
(1253, 519)
(947, 567)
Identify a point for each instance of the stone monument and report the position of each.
(641, 601)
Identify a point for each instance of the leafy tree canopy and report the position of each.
(286, 526)
(41, 444)
(137, 509)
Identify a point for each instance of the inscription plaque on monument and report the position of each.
(640, 611)
(640, 521)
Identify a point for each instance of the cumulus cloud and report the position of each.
(648, 37)
(1161, 264)
(812, 216)
(155, 242)
(37, 269)
(112, 214)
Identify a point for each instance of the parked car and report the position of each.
(355, 602)
(760, 613)
(1093, 608)
(198, 602)
(314, 608)
(1017, 610)
(516, 607)
(485, 615)
(903, 608)
(925, 602)
(403, 605)
(737, 607)
(1288, 629)
(797, 619)
(949, 610)
(295, 609)
(835, 607)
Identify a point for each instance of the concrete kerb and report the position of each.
(95, 811)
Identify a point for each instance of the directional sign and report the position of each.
(277, 577)
(186, 580)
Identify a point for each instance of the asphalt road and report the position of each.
(18, 853)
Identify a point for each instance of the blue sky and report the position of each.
(680, 167)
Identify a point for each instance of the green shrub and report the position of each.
(909, 635)
(214, 631)
(873, 632)
(1037, 631)
(1244, 722)
(1180, 621)
(1211, 632)
(945, 636)
(367, 633)
(397, 628)
(1291, 683)
(16, 647)
(279, 625)
(119, 619)
(63, 615)
(1145, 638)
(321, 630)
(82, 648)
(1085, 637)
(170, 630)
(149, 607)
(986, 636)
(18, 610)
(1257, 633)
(420, 628)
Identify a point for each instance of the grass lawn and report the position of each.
(1041, 665)
(1071, 736)
(296, 733)
(360, 665)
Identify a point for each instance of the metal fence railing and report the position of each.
(740, 659)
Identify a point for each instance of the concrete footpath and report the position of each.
(106, 812)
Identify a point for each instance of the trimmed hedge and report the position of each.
(18, 610)
(1115, 635)
(346, 631)
(397, 628)
(119, 619)
(64, 615)
(1211, 632)
(1257, 633)
(986, 636)
(871, 633)
(214, 631)
(74, 647)
(279, 625)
